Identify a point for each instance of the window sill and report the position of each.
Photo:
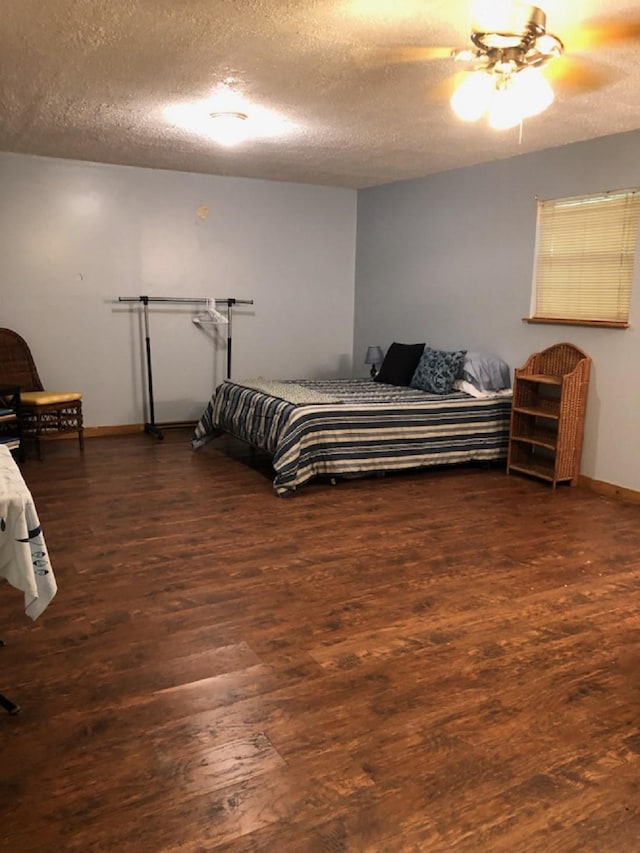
(601, 324)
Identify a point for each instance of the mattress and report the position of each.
(359, 427)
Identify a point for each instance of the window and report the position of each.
(585, 252)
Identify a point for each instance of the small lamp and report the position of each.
(374, 357)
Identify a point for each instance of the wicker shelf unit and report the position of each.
(547, 416)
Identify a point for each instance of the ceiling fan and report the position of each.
(504, 77)
(506, 82)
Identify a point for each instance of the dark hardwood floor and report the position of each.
(436, 661)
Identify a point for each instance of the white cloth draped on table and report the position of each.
(24, 560)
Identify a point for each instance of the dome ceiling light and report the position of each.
(227, 118)
(229, 128)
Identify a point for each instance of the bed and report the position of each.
(353, 427)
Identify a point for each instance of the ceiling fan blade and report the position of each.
(415, 53)
(600, 33)
(574, 76)
(444, 89)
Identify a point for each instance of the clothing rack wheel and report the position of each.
(5, 703)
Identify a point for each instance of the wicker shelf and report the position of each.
(537, 436)
(544, 409)
(536, 468)
(547, 416)
(541, 379)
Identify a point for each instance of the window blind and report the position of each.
(585, 254)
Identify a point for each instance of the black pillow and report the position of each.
(400, 363)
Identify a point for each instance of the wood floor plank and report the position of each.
(431, 661)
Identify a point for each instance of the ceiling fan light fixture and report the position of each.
(466, 55)
(472, 97)
(549, 46)
(533, 91)
(501, 14)
(505, 110)
(506, 24)
(510, 55)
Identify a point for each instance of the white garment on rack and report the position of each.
(210, 316)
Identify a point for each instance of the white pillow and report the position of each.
(487, 372)
(468, 388)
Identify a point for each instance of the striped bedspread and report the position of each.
(374, 427)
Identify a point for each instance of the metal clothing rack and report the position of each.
(151, 428)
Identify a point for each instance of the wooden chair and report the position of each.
(43, 413)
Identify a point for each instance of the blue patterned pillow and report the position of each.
(437, 370)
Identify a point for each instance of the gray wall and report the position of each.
(448, 260)
(75, 236)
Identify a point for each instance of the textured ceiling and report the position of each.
(90, 80)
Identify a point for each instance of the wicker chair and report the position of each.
(43, 413)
